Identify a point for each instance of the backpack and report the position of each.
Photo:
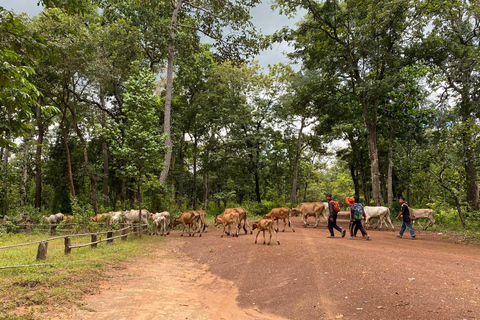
(336, 206)
(358, 211)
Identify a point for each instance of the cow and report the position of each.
(101, 217)
(228, 217)
(314, 209)
(242, 216)
(116, 217)
(202, 226)
(417, 214)
(280, 214)
(54, 218)
(265, 225)
(133, 216)
(380, 213)
(160, 221)
(67, 217)
(188, 218)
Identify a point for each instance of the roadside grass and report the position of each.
(26, 291)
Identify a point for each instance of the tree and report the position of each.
(360, 43)
(452, 48)
(142, 149)
(211, 18)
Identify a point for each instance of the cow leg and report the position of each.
(317, 220)
(270, 232)
(284, 224)
(264, 236)
(419, 224)
(257, 236)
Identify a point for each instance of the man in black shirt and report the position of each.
(406, 219)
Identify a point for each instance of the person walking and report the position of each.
(406, 219)
(333, 209)
(356, 217)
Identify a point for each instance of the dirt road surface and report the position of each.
(306, 277)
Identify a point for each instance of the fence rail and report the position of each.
(43, 244)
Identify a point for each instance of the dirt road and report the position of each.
(306, 277)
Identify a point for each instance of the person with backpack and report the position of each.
(406, 219)
(356, 217)
(333, 209)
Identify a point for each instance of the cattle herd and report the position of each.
(232, 219)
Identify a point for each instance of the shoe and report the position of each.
(399, 236)
(331, 237)
(343, 233)
(350, 238)
(368, 238)
(413, 238)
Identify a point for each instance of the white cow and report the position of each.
(161, 221)
(54, 218)
(380, 213)
(132, 216)
(117, 217)
(417, 214)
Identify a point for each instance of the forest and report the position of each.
(116, 104)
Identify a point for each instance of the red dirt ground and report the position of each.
(306, 277)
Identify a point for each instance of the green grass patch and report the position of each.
(23, 291)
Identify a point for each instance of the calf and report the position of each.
(280, 214)
(67, 217)
(228, 218)
(161, 221)
(188, 218)
(265, 225)
(417, 214)
(308, 209)
(380, 213)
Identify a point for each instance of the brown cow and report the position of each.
(187, 218)
(242, 216)
(280, 214)
(308, 209)
(202, 226)
(228, 218)
(101, 217)
(265, 225)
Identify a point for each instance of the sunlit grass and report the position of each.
(66, 279)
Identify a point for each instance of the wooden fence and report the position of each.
(94, 240)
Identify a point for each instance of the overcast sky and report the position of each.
(264, 18)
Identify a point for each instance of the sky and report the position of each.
(265, 19)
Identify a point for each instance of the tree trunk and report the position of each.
(169, 89)
(180, 182)
(205, 190)
(105, 155)
(85, 157)
(390, 167)
(295, 164)
(38, 159)
(67, 153)
(374, 165)
(23, 199)
(471, 179)
(139, 189)
(195, 147)
(257, 187)
(6, 156)
(122, 195)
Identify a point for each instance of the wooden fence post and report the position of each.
(94, 239)
(109, 237)
(28, 229)
(53, 230)
(42, 250)
(140, 229)
(124, 234)
(68, 244)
